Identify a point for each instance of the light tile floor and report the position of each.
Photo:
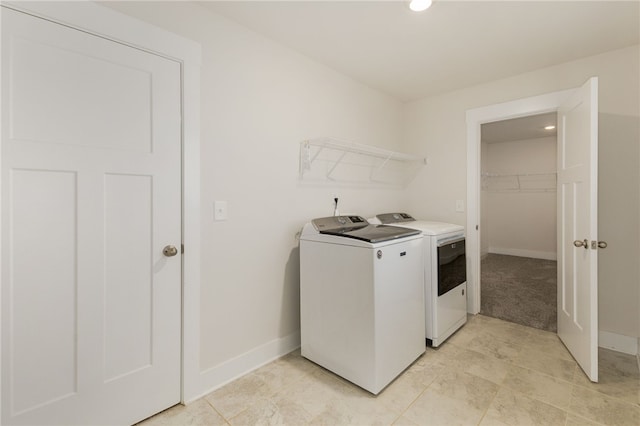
(491, 372)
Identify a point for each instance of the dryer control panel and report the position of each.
(394, 218)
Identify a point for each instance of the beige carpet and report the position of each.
(520, 290)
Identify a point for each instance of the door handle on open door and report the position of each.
(169, 251)
(584, 243)
(599, 244)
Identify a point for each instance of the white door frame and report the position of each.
(475, 118)
(112, 25)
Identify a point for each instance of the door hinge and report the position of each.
(181, 248)
(477, 227)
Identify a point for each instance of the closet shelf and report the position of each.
(336, 161)
(526, 182)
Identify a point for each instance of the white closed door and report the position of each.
(577, 226)
(91, 147)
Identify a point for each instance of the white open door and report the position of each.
(577, 226)
(91, 194)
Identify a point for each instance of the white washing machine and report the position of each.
(445, 274)
(361, 298)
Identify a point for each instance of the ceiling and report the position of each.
(452, 45)
(518, 129)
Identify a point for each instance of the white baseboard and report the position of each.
(218, 376)
(618, 342)
(524, 253)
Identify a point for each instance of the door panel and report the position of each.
(42, 299)
(91, 149)
(128, 273)
(577, 222)
(45, 106)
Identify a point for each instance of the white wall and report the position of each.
(258, 101)
(519, 222)
(618, 207)
(438, 123)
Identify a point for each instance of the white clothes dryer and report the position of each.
(445, 274)
(361, 298)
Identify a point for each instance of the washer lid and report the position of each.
(427, 227)
(434, 228)
(374, 233)
(358, 228)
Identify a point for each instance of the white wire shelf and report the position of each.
(527, 182)
(332, 160)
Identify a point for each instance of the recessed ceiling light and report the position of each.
(549, 127)
(419, 5)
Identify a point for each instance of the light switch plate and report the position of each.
(460, 205)
(220, 210)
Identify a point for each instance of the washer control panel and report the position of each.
(335, 223)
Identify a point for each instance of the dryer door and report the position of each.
(452, 265)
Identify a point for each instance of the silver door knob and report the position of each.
(602, 244)
(584, 243)
(170, 251)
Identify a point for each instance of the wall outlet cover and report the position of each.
(220, 210)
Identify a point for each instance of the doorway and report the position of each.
(542, 104)
(518, 270)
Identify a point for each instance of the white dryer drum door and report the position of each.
(452, 265)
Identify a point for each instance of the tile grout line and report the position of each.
(486, 410)
(588, 388)
(227, 421)
(416, 398)
(413, 402)
(500, 386)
